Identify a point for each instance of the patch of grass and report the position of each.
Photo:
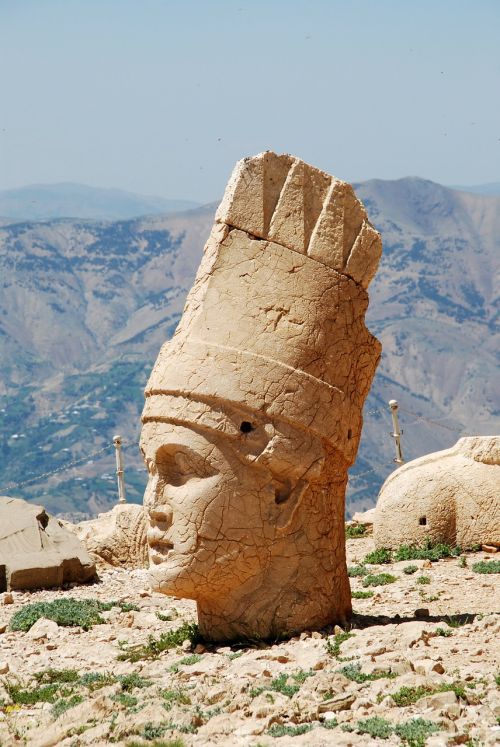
(415, 732)
(64, 704)
(188, 660)
(29, 696)
(125, 700)
(357, 570)
(361, 594)
(497, 679)
(423, 580)
(378, 557)
(333, 646)
(279, 730)
(66, 612)
(332, 723)
(174, 697)
(49, 676)
(406, 696)
(376, 727)
(463, 562)
(353, 672)
(428, 551)
(487, 566)
(234, 655)
(164, 618)
(155, 646)
(156, 743)
(379, 579)
(353, 531)
(95, 680)
(409, 569)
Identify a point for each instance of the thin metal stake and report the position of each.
(117, 440)
(397, 433)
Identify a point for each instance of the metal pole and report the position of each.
(117, 440)
(397, 433)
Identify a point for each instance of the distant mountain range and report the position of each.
(51, 201)
(492, 189)
(86, 305)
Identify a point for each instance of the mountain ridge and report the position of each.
(86, 306)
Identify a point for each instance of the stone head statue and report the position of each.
(253, 409)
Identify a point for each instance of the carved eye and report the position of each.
(178, 465)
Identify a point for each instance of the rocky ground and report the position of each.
(416, 666)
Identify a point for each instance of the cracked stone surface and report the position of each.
(448, 496)
(253, 409)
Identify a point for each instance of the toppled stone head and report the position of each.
(253, 409)
(449, 496)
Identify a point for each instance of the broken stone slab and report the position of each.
(36, 550)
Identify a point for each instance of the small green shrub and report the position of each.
(30, 696)
(95, 680)
(164, 618)
(131, 681)
(423, 580)
(155, 646)
(353, 531)
(415, 732)
(361, 594)
(187, 661)
(65, 612)
(463, 562)
(376, 727)
(126, 700)
(357, 570)
(152, 731)
(333, 646)
(487, 566)
(457, 621)
(278, 730)
(409, 569)
(406, 696)
(156, 743)
(378, 557)
(173, 697)
(444, 632)
(379, 579)
(332, 723)
(429, 551)
(353, 672)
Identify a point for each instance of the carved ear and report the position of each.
(289, 500)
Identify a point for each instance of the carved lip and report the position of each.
(159, 551)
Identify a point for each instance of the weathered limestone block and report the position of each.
(449, 496)
(117, 537)
(36, 551)
(253, 409)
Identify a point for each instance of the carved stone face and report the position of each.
(253, 409)
(219, 505)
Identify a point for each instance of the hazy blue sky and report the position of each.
(163, 96)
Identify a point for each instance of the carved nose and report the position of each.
(161, 514)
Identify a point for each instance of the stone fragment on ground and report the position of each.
(36, 550)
